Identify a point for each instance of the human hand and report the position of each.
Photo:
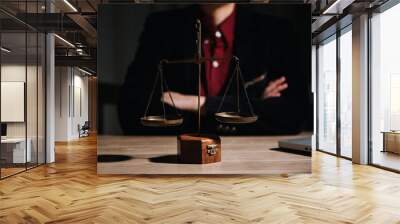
(182, 101)
(275, 88)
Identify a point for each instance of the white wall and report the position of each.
(14, 72)
(81, 104)
(71, 102)
(10, 73)
(62, 82)
(17, 72)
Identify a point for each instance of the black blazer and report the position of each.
(262, 43)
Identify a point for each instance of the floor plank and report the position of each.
(70, 191)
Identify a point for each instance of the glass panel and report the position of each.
(346, 94)
(32, 86)
(385, 84)
(14, 153)
(31, 97)
(327, 96)
(23, 88)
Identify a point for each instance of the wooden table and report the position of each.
(157, 155)
(391, 141)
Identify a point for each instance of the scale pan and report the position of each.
(161, 121)
(235, 118)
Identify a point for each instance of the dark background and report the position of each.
(119, 29)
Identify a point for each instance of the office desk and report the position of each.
(157, 155)
(13, 150)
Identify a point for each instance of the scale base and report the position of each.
(199, 148)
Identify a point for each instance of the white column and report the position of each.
(50, 92)
(360, 90)
(50, 99)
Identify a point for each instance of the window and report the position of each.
(385, 87)
(334, 138)
(346, 92)
(327, 95)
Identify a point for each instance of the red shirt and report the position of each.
(217, 43)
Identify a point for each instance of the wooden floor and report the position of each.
(5, 172)
(70, 191)
(387, 159)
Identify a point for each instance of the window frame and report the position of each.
(333, 37)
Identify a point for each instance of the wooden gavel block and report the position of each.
(199, 148)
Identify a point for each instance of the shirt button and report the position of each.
(227, 129)
(215, 64)
(218, 34)
(206, 41)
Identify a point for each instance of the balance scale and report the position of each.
(199, 148)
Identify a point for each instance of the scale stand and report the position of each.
(197, 147)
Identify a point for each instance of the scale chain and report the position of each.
(152, 94)
(162, 89)
(237, 88)
(172, 99)
(225, 93)
(245, 92)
